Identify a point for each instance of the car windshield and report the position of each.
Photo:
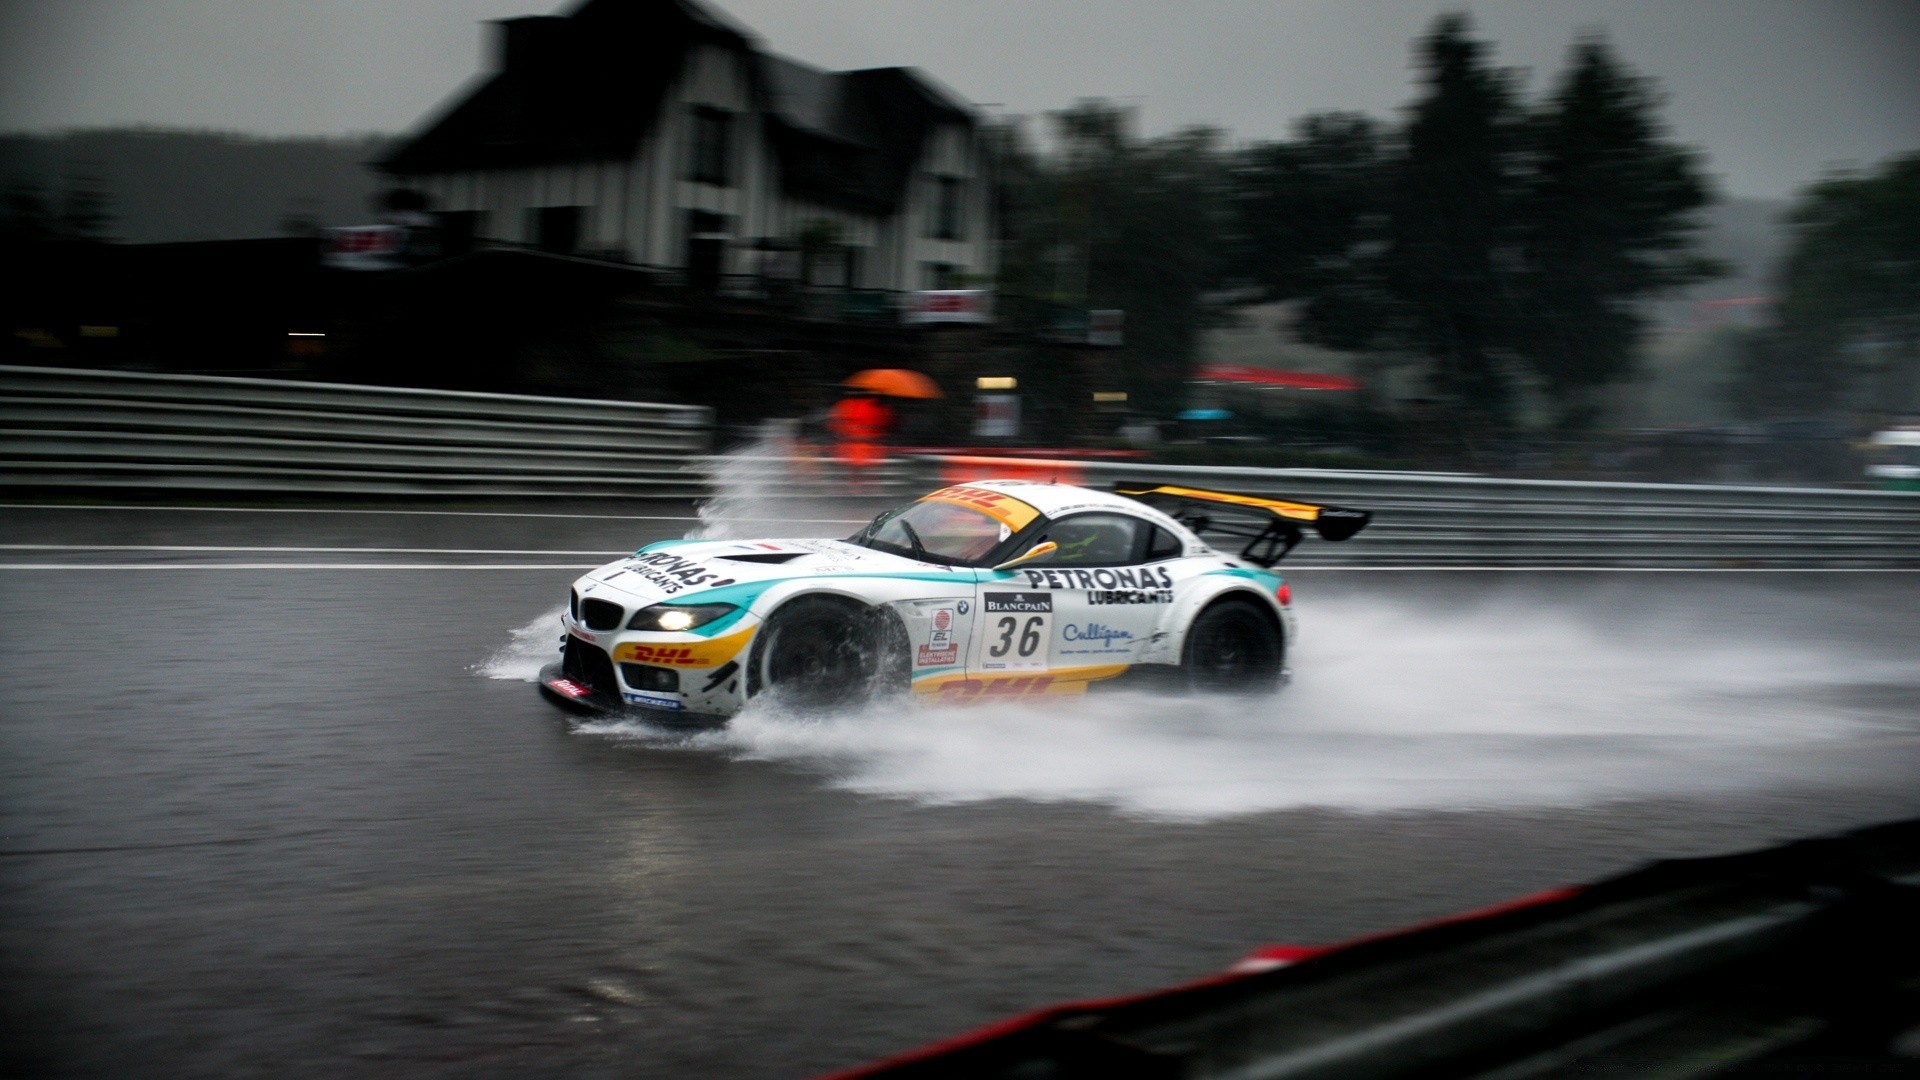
(937, 531)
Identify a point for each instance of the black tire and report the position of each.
(1234, 647)
(819, 653)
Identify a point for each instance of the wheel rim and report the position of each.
(817, 659)
(1235, 648)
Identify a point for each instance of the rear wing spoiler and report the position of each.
(1271, 527)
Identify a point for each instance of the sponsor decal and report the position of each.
(688, 654)
(1018, 601)
(1119, 577)
(932, 657)
(943, 619)
(569, 688)
(1104, 597)
(1099, 632)
(1001, 689)
(653, 701)
(956, 687)
(671, 573)
(1005, 509)
(963, 607)
(584, 635)
(940, 637)
(1015, 631)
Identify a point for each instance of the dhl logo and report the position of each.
(690, 654)
(661, 654)
(1005, 509)
(1001, 689)
(961, 689)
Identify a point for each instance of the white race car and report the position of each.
(990, 590)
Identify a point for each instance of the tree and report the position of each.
(1450, 208)
(1849, 306)
(1305, 215)
(1405, 243)
(1605, 220)
(1110, 220)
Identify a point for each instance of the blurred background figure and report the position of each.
(860, 424)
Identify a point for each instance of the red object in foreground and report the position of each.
(1255, 376)
(570, 688)
(1260, 961)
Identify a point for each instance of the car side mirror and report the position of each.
(1038, 551)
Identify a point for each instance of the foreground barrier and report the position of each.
(1798, 960)
(66, 429)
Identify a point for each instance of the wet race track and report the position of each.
(277, 798)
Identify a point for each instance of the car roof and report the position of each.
(1053, 500)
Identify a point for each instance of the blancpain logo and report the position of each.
(1018, 601)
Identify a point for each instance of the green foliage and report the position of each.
(1604, 223)
(1848, 320)
(1303, 214)
(1109, 220)
(1854, 268)
(1450, 222)
(1485, 237)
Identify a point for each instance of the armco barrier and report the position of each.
(76, 429)
(67, 430)
(1445, 520)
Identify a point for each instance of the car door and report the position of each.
(1085, 609)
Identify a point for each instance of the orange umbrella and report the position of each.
(893, 382)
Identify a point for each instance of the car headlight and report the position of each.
(677, 617)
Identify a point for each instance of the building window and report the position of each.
(711, 160)
(555, 228)
(946, 219)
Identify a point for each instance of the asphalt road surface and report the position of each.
(276, 798)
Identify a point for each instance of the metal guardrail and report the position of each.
(78, 429)
(1441, 520)
(65, 429)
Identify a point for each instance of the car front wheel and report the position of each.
(818, 653)
(1234, 647)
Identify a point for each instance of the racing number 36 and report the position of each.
(1030, 637)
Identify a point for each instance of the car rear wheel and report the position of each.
(1234, 647)
(820, 653)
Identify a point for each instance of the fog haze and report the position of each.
(1775, 91)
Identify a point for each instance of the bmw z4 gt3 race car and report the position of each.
(991, 590)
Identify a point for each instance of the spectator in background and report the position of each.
(860, 424)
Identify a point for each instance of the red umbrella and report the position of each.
(893, 382)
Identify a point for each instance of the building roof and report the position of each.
(584, 86)
(589, 86)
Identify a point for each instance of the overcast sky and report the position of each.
(1776, 91)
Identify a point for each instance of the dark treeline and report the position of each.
(1844, 338)
(1498, 243)
(136, 185)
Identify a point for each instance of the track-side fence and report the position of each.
(1440, 520)
(63, 429)
(68, 431)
